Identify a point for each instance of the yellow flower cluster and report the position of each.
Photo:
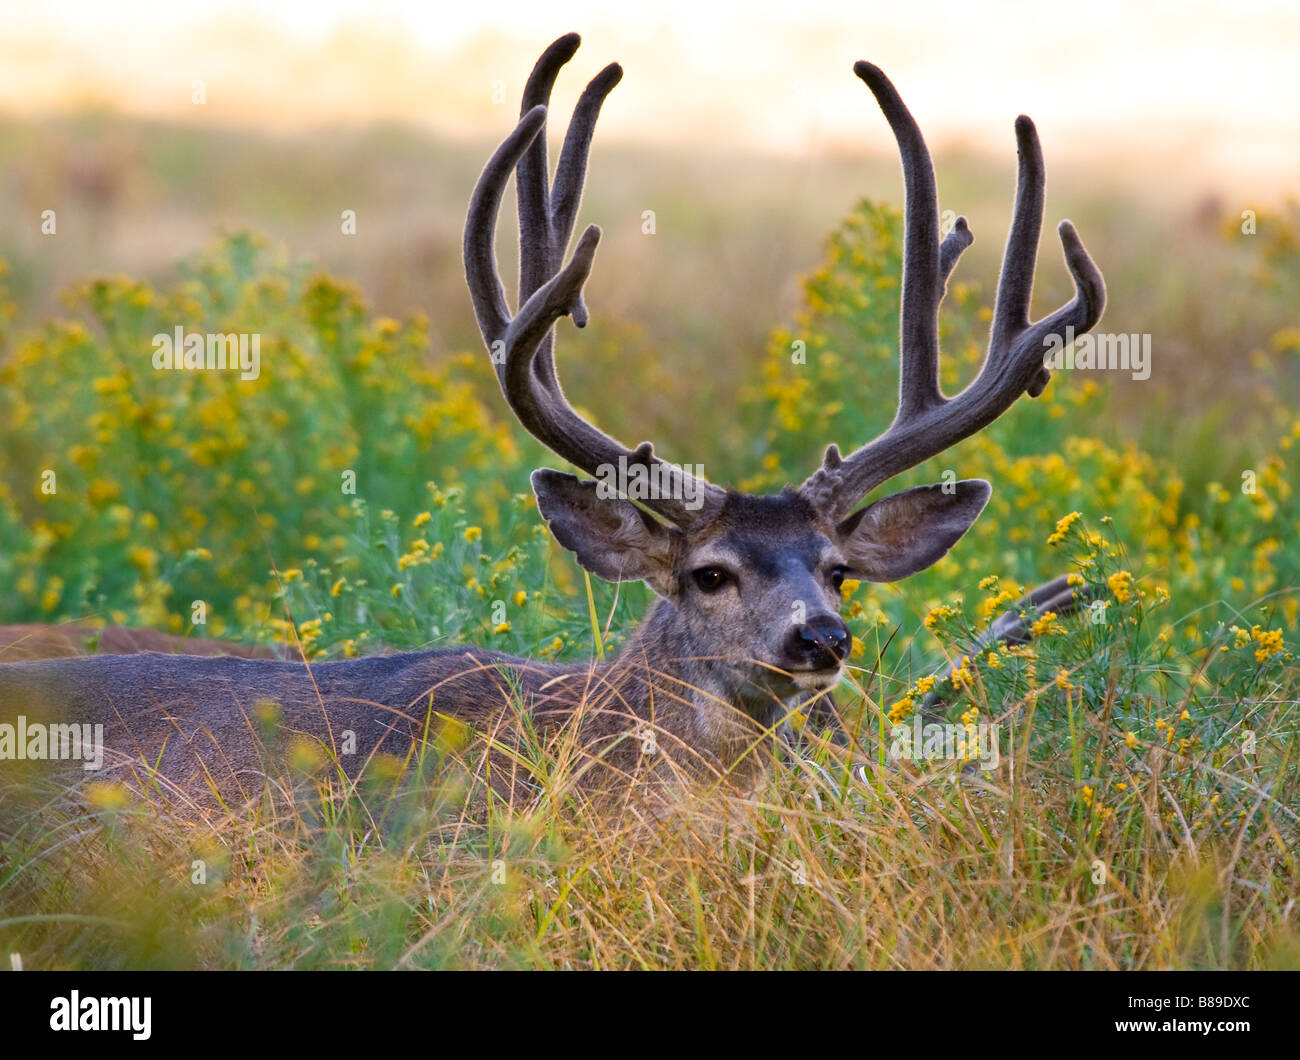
(938, 614)
(1045, 623)
(1121, 586)
(993, 604)
(962, 676)
(1269, 641)
(1063, 526)
(900, 710)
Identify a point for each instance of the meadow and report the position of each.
(1146, 809)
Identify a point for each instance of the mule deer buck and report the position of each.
(718, 662)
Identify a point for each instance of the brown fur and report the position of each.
(34, 641)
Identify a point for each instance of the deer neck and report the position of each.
(702, 701)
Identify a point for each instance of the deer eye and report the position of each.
(710, 579)
(837, 577)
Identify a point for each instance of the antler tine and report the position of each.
(522, 347)
(927, 422)
(957, 240)
(547, 215)
(1014, 340)
(544, 225)
(572, 169)
(1016, 281)
(485, 289)
(922, 286)
(1079, 314)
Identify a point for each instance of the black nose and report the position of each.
(820, 643)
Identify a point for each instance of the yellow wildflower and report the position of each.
(962, 676)
(994, 602)
(938, 614)
(1121, 585)
(1269, 641)
(1063, 527)
(1046, 623)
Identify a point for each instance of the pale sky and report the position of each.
(1216, 84)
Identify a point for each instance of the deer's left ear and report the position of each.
(906, 532)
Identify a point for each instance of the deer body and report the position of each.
(201, 720)
(200, 723)
(747, 626)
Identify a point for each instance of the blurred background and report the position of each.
(747, 134)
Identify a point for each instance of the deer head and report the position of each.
(752, 583)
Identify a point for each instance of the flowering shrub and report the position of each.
(176, 486)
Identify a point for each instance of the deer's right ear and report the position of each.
(611, 537)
